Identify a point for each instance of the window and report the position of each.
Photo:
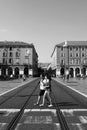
(71, 61)
(18, 49)
(83, 54)
(17, 61)
(10, 54)
(17, 54)
(61, 48)
(76, 48)
(61, 54)
(4, 54)
(10, 48)
(77, 54)
(62, 62)
(70, 48)
(70, 54)
(83, 48)
(77, 61)
(3, 61)
(10, 61)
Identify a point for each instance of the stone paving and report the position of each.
(7, 85)
(79, 84)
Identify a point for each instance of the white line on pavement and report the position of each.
(73, 89)
(15, 88)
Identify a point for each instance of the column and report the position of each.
(0, 71)
(74, 72)
(6, 71)
(21, 72)
(13, 71)
(80, 72)
(86, 71)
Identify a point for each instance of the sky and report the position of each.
(44, 23)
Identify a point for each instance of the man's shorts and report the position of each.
(41, 92)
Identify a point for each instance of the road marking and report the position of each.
(38, 120)
(10, 110)
(70, 112)
(15, 88)
(41, 110)
(77, 118)
(83, 119)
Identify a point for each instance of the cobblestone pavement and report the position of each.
(78, 84)
(8, 85)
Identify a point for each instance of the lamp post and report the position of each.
(65, 72)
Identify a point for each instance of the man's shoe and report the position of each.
(36, 104)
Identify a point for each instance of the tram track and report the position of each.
(13, 95)
(12, 125)
(63, 124)
(61, 118)
(14, 122)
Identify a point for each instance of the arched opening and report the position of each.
(3, 72)
(83, 71)
(26, 71)
(10, 71)
(71, 72)
(16, 72)
(62, 71)
(77, 72)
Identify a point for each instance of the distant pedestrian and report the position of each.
(24, 78)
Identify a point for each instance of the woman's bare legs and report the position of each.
(38, 100)
(47, 93)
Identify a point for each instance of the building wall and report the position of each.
(19, 58)
(70, 57)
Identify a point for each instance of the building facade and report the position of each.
(70, 57)
(18, 58)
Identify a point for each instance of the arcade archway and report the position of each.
(26, 71)
(71, 72)
(16, 72)
(10, 71)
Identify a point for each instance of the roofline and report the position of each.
(66, 45)
(53, 50)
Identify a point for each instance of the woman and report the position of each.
(42, 90)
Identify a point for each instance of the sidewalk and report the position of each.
(74, 83)
(11, 84)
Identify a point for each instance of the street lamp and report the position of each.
(65, 72)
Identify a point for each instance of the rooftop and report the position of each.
(73, 43)
(15, 43)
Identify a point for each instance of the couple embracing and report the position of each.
(44, 91)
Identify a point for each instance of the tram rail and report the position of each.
(18, 91)
(61, 118)
(12, 125)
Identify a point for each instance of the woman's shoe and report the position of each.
(41, 105)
